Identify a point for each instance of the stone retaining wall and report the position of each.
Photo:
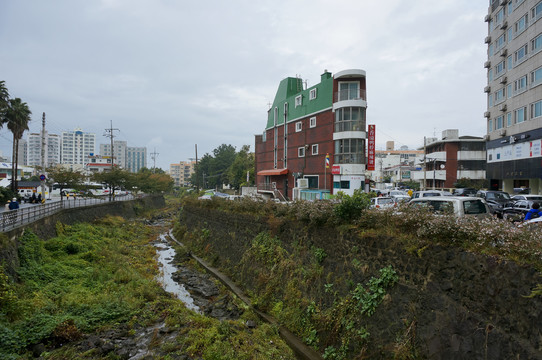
(461, 305)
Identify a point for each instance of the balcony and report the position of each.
(351, 125)
(350, 94)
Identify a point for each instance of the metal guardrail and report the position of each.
(14, 218)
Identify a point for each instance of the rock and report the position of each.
(250, 324)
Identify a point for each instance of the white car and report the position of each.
(382, 202)
(426, 193)
(457, 205)
(527, 197)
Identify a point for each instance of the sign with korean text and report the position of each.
(371, 148)
(336, 169)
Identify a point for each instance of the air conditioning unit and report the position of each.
(504, 25)
(487, 18)
(487, 39)
(487, 89)
(504, 80)
(504, 2)
(504, 52)
(303, 183)
(502, 107)
(487, 64)
(274, 185)
(502, 132)
(487, 114)
(486, 137)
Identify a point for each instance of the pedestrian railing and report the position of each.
(15, 218)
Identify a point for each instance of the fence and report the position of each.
(11, 219)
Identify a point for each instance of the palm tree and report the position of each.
(17, 118)
(4, 101)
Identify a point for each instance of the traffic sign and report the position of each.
(42, 177)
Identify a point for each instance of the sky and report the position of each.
(173, 74)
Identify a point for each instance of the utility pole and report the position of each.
(154, 155)
(424, 164)
(109, 133)
(42, 177)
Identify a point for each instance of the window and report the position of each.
(521, 24)
(520, 84)
(350, 119)
(341, 184)
(349, 151)
(499, 69)
(490, 75)
(520, 54)
(509, 90)
(298, 100)
(298, 126)
(499, 96)
(536, 44)
(536, 12)
(499, 122)
(301, 151)
(490, 100)
(349, 91)
(536, 109)
(499, 16)
(509, 62)
(509, 119)
(312, 94)
(501, 41)
(315, 149)
(490, 126)
(536, 77)
(491, 50)
(520, 115)
(312, 122)
(510, 33)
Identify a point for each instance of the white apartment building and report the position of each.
(182, 172)
(52, 149)
(514, 93)
(76, 147)
(119, 149)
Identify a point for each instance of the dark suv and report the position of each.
(497, 200)
(464, 192)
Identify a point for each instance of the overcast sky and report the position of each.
(170, 74)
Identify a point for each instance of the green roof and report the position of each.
(290, 88)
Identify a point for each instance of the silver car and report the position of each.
(457, 205)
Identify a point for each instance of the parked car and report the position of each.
(517, 210)
(400, 199)
(426, 193)
(497, 200)
(382, 202)
(456, 205)
(464, 192)
(527, 197)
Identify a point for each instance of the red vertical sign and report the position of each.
(371, 149)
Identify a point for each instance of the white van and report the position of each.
(457, 205)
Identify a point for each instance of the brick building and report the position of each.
(306, 125)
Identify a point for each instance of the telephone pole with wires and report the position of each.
(109, 133)
(154, 155)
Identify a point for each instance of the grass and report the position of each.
(94, 277)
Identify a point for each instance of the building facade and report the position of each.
(182, 172)
(97, 164)
(394, 165)
(52, 149)
(314, 140)
(450, 159)
(76, 147)
(136, 158)
(514, 88)
(119, 149)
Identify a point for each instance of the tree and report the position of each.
(66, 178)
(4, 102)
(115, 179)
(17, 117)
(243, 163)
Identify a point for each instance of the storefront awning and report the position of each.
(273, 172)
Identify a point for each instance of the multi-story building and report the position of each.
(98, 163)
(136, 158)
(394, 165)
(452, 158)
(304, 127)
(52, 149)
(514, 88)
(76, 146)
(182, 172)
(119, 149)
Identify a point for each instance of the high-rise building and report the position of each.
(182, 172)
(119, 149)
(52, 149)
(314, 139)
(136, 158)
(514, 88)
(76, 146)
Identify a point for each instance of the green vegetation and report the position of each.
(95, 277)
